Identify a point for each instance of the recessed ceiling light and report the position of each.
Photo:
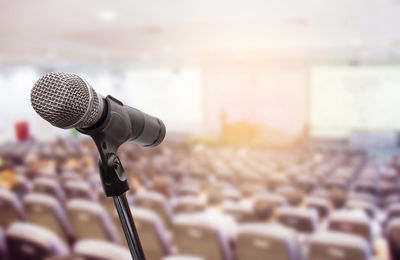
(107, 15)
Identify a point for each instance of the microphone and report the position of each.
(67, 101)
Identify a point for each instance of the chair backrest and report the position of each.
(152, 233)
(356, 223)
(10, 207)
(334, 246)
(393, 211)
(266, 242)
(182, 257)
(49, 187)
(46, 211)
(89, 220)
(79, 190)
(393, 237)
(278, 200)
(3, 247)
(194, 236)
(362, 196)
(101, 250)
(241, 213)
(189, 204)
(302, 220)
(157, 203)
(367, 207)
(31, 242)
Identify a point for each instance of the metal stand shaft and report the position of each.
(128, 225)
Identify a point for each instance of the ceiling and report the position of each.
(208, 31)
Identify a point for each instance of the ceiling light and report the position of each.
(107, 15)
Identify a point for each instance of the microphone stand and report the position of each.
(115, 184)
(108, 136)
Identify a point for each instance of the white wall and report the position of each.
(275, 95)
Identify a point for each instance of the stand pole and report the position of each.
(128, 225)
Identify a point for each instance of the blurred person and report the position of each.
(265, 211)
(395, 164)
(8, 179)
(214, 214)
(295, 198)
(162, 185)
(337, 198)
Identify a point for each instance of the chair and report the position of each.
(266, 242)
(270, 197)
(69, 176)
(194, 236)
(387, 188)
(3, 247)
(366, 187)
(31, 242)
(46, 211)
(322, 206)
(10, 207)
(189, 204)
(393, 212)
(79, 190)
(352, 223)
(182, 257)
(152, 233)
(240, 212)
(157, 203)
(393, 237)
(89, 220)
(362, 196)
(334, 246)
(49, 187)
(301, 220)
(101, 250)
(367, 207)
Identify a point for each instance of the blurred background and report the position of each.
(282, 129)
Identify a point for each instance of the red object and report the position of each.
(22, 130)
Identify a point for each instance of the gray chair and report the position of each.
(278, 200)
(182, 257)
(356, 223)
(334, 246)
(194, 236)
(367, 207)
(3, 247)
(189, 204)
(393, 237)
(393, 212)
(49, 187)
(46, 211)
(157, 203)
(152, 233)
(101, 250)
(75, 189)
(302, 220)
(240, 212)
(89, 220)
(10, 207)
(267, 242)
(31, 242)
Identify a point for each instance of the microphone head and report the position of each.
(65, 100)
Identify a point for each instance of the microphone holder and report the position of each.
(108, 136)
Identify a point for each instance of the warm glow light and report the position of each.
(107, 15)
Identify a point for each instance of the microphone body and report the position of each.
(120, 123)
(67, 101)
